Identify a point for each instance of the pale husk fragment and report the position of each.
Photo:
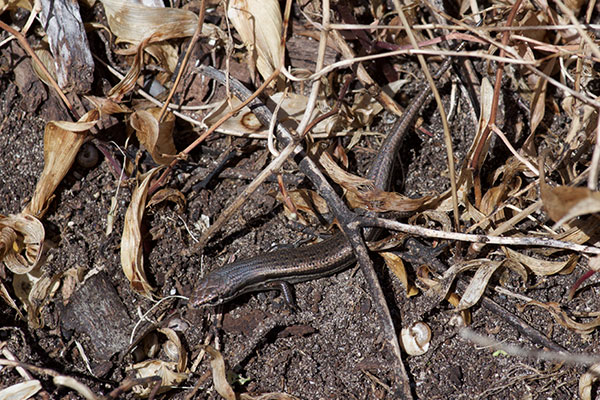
(35, 289)
(21, 242)
(157, 137)
(21, 391)
(62, 141)
(166, 370)
(587, 380)
(259, 24)
(538, 266)
(132, 260)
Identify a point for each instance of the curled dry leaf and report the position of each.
(440, 289)
(219, 374)
(156, 137)
(169, 194)
(396, 264)
(35, 289)
(292, 109)
(362, 193)
(132, 259)
(306, 201)
(62, 141)
(259, 24)
(180, 353)
(563, 203)
(166, 370)
(21, 242)
(21, 391)
(583, 328)
(106, 106)
(587, 380)
(478, 284)
(541, 267)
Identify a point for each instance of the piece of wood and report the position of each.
(68, 43)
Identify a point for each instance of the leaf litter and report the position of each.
(516, 171)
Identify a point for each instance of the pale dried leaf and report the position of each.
(21, 391)
(46, 58)
(168, 194)
(487, 95)
(478, 284)
(166, 370)
(9, 300)
(132, 259)
(60, 149)
(292, 109)
(182, 354)
(72, 383)
(587, 380)
(106, 106)
(35, 289)
(21, 242)
(157, 137)
(538, 104)
(259, 24)
(540, 267)
(219, 374)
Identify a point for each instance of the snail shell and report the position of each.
(416, 338)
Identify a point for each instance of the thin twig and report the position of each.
(484, 239)
(40, 64)
(186, 58)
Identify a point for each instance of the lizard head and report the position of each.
(208, 292)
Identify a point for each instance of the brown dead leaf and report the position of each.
(541, 267)
(583, 328)
(219, 373)
(307, 201)
(362, 194)
(62, 141)
(156, 137)
(106, 106)
(168, 194)
(21, 242)
(563, 203)
(132, 258)
(396, 265)
(166, 370)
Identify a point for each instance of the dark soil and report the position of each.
(331, 348)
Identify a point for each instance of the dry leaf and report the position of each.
(106, 106)
(156, 137)
(132, 258)
(583, 328)
(60, 149)
(21, 391)
(21, 242)
(478, 284)
(541, 267)
(259, 24)
(362, 193)
(396, 264)
(164, 369)
(35, 289)
(219, 374)
(291, 111)
(181, 353)
(587, 380)
(538, 104)
(563, 203)
(169, 194)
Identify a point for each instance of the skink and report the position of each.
(280, 268)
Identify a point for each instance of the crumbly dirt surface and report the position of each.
(332, 347)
